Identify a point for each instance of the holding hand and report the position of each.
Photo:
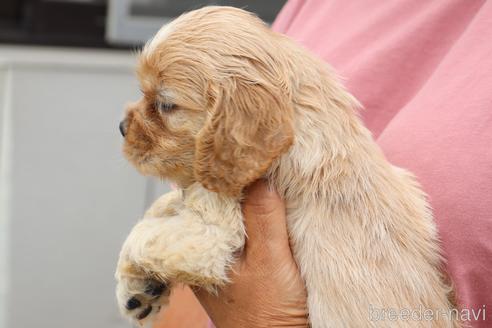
(266, 288)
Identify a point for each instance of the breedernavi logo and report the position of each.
(422, 314)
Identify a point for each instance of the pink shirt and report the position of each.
(423, 71)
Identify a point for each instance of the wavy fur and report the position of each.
(252, 103)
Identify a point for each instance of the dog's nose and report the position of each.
(123, 128)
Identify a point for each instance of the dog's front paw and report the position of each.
(140, 296)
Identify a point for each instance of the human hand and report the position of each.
(266, 289)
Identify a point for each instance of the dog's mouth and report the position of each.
(145, 165)
(144, 160)
(135, 157)
(149, 164)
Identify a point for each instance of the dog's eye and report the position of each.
(165, 107)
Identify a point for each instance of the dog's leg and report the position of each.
(193, 244)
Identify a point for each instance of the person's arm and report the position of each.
(266, 289)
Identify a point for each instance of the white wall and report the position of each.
(68, 196)
(4, 189)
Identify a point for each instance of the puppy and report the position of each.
(227, 101)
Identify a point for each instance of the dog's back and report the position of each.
(361, 229)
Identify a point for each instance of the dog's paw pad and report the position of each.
(155, 288)
(142, 315)
(140, 299)
(133, 303)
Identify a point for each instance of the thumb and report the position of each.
(264, 214)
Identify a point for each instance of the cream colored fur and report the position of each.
(361, 229)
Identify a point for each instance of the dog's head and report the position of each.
(216, 104)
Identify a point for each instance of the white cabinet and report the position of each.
(67, 196)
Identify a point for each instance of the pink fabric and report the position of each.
(423, 70)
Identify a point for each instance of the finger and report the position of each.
(264, 214)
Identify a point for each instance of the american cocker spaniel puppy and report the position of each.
(227, 101)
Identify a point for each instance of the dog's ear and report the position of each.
(250, 125)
